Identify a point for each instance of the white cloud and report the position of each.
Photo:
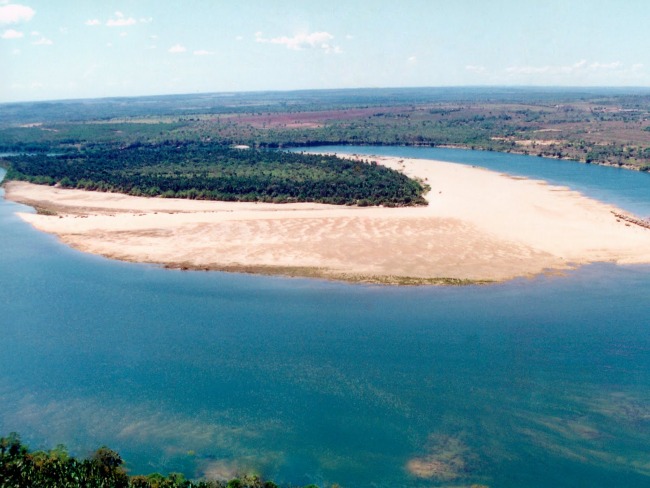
(90, 71)
(202, 52)
(14, 13)
(614, 65)
(563, 69)
(146, 20)
(239, 38)
(42, 41)
(412, 59)
(527, 70)
(93, 22)
(313, 40)
(479, 70)
(177, 48)
(12, 34)
(581, 67)
(331, 49)
(123, 34)
(120, 20)
(580, 73)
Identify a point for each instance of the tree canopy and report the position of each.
(20, 467)
(216, 172)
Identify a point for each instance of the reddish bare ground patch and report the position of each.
(309, 120)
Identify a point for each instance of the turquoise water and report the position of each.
(532, 383)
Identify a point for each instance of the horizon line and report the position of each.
(365, 88)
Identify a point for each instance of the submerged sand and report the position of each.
(479, 226)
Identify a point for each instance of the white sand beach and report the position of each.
(479, 226)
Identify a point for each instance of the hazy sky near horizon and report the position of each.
(91, 48)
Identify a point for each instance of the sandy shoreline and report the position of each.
(479, 226)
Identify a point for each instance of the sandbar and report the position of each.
(480, 226)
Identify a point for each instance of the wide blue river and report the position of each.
(531, 383)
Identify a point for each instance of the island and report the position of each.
(227, 182)
(478, 226)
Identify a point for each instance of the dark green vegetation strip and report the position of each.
(20, 467)
(213, 172)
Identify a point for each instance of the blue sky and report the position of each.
(57, 49)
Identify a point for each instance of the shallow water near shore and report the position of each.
(536, 383)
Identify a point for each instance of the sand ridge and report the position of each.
(479, 226)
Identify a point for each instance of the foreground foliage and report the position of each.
(214, 172)
(20, 468)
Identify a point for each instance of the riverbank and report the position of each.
(526, 152)
(479, 226)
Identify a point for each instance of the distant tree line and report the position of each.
(600, 126)
(215, 172)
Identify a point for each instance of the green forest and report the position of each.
(608, 126)
(209, 171)
(21, 468)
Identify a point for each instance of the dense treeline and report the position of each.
(214, 172)
(21, 468)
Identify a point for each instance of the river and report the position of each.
(532, 383)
